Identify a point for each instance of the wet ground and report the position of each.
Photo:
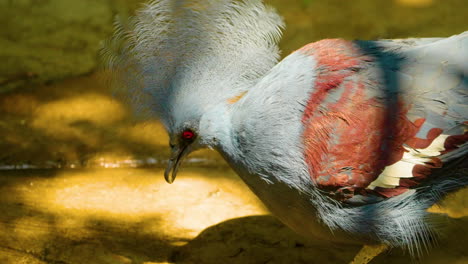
(133, 216)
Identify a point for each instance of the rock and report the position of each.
(53, 39)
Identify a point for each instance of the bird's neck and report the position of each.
(216, 128)
(219, 134)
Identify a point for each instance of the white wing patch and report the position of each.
(391, 175)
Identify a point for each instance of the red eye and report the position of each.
(188, 134)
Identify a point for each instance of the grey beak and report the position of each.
(177, 155)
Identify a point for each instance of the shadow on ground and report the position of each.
(262, 239)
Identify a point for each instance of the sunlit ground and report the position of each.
(134, 216)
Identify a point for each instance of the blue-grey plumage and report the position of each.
(343, 141)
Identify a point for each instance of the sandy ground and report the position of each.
(133, 216)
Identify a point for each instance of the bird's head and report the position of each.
(176, 60)
(191, 130)
(182, 142)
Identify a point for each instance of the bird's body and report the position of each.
(281, 139)
(342, 140)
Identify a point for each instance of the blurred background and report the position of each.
(60, 128)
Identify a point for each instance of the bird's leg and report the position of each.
(367, 253)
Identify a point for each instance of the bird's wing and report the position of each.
(434, 82)
(383, 114)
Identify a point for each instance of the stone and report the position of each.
(53, 39)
